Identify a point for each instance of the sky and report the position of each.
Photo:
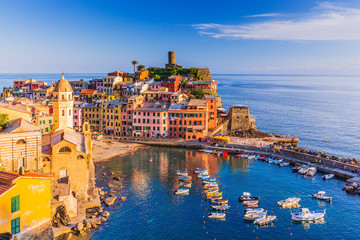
(230, 36)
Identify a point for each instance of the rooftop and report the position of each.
(197, 102)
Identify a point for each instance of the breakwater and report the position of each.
(338, 168)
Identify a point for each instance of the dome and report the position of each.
(63, 85)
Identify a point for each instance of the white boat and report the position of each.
(311, 171)
(220, 208)
(254, 216)
(251, 203)
(210, 185)
(289, 202)
(306, 215)
(321, 196)
(187, 185)
(201, 170)
(215, 215)
(214, 190)
(181, 173)
(328, 176)
(247, 197)
(209, 179)
(265, 220)
(253, 210)
(203, 175)
(283, 164)
(182, 191)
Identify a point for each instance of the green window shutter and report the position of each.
(15, 204)
(15, 225)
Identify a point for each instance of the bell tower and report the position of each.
(63, 104)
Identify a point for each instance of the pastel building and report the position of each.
(150, 119)
(172, 83)
(25, 201)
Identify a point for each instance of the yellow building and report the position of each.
(141, 75)
(25, 201)
(16, 111)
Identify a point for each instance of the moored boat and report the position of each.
(303, 169)
(289, 202)
(220, 208)
(251, 203)
(284, 163)
(182, 191)
(247, 197)
(220, 201)
(321, 196)
(328, 176)
(209, 179)
(211, 190)
(211, 185)
(306, 215)
(185, 178)
(253, 210)
(185, 184)
(265, 220)
(214, 215)
(213, 197)
(254, 216)
(311, 171)
(182, 173)
(201, 170)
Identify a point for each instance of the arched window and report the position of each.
(69, 112)
(21, 141)
(64, 150)
(62, 96)
(63, 112)
(80, 157)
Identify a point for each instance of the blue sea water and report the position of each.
(153, 211)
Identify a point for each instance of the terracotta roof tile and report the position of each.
(5, 187)
(8, 177)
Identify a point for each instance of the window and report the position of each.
(46, 129)
(44, 122)
(63, 112)
(15, 225)
(15, 204)
(50, 121)
(64, 150)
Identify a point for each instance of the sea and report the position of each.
(323, 111)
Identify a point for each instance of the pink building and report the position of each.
(150, 119)
(78, 115)
(155, 86)
(166, 96)
(127, 111)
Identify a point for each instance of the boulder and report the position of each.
(103, 219)
(104, 174)
(101, 193)
(117, 178)
(79, 226)
(110, 185)
(88, 225)
(113, 191)
(106, 214)
(110, 200)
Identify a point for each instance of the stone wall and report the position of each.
(205, 73)
(240, 118)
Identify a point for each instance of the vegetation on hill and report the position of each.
(199, 94)
(3, 120)
(165, 73)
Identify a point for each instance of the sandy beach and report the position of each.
(104, 150)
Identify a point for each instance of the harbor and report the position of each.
(149, 187)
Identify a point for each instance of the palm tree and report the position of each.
(134, 63)
(140, 67)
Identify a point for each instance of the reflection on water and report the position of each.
(153, 211)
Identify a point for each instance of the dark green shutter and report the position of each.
(15, 225)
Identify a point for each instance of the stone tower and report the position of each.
(63, 104)
(171, 60)
(240, 118)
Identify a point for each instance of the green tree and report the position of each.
(3, 120)
(134, 62)
(140, 67)
(198, 93)
(184, 83)
(193, 72)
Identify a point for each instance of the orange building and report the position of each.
(212, 109)
(141, 75)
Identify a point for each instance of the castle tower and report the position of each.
(172, 58)
(63, 104)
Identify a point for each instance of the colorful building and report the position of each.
(141, 75)
(25, 201)
(172, 83)
(212, 109)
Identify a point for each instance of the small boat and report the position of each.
(220, 201)
(185, 178)
(209, 179)
(311, 171)
(262, 158)
(289, 202)
(224, 154)
(251, 203)
(321, 196)
(201, 170)
(219, 153)
(182, 191)
(181, 173)
(214, 194)
(213, 197)
(239, 155)
(279, 161)
(253, 210)
(203, 175)
(303, 169)
(246, 197)
(214, 215)
(220, 208)
(328, 176)
(211, 190)
(296, 168)
(254, 216)
(211, 186)
(284, 163)
(187, 185)
(251, 157)
(272, 161)
(265, 220)
(306, 215)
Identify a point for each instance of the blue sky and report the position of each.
(232, 36)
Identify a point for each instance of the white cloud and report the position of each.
(324, 22)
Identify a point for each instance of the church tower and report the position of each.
(63, 104)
